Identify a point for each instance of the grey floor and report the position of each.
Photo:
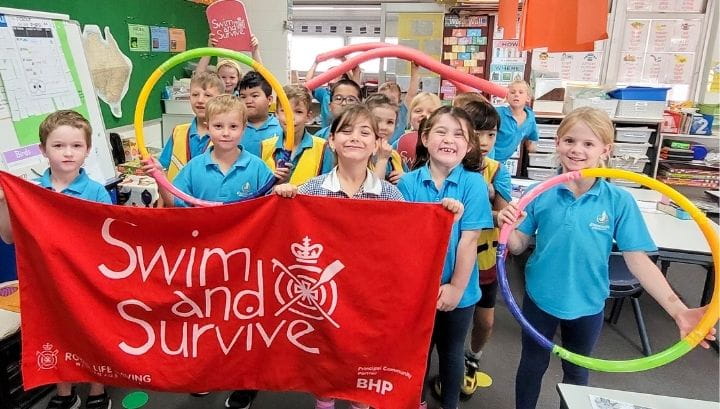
(693, 376)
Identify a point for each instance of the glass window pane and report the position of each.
(301, 56)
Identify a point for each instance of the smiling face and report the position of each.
(199, 96)
(580, 148)
(342, 96)
(386, 118)
(447, 141)
(230, 77)
(301, 116)
(355, 142)
(226, 130)
(66, 149)
(422, 111)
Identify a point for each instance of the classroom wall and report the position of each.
(266, 22)
(117, 15)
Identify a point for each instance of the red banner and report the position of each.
(335, 297)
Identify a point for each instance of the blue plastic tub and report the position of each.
(640, 93)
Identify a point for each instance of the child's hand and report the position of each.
(509, 215)
(150, 165)
(212, 42)
(449, 297)
(282, 174)
(687, 320)
(384, 150)
(254, 43)
(394, 177)
(285, 190)
(453, 206)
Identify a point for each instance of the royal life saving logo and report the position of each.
(602, 222)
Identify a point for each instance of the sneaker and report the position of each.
(65, 402)
(240, 399)
(324, 404)
(199, 394)
(98, 401)
(469, 384)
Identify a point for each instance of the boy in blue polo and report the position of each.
(190, 140)
(342, 94)
(310, 156)
(65, 140)
(256, 93)
(226, 172)
(517, 123)
(566, 277)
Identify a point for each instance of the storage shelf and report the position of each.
(617, 119)
(688, 136)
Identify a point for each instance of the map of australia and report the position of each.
(109, 67)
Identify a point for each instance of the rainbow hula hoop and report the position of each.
(191, 55)
(633, 365)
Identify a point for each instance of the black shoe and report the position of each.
(65, 402)
(101, 401)
(240, 399)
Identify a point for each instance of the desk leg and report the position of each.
(664, 266)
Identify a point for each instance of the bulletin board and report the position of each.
(465, 47)
(117, 15)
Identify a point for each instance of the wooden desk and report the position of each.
(578, 397)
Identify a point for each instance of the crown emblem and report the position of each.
(306, 253)
(48, 346)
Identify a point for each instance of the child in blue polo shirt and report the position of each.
(517, 123)
(256, 92)
(566, 277)
(324, 93)
(190, 140)
(447, 166)
(386, 163)
(392, 91)
(226, 172)
(310, 156)
(343, 93)
(65, 140)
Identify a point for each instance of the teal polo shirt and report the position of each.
(510, 135)
(322, 95)
(328, 161)
(323, 133)
(81, 187)
(470, 189)
(401, 125)
(197, 144)
(503, 183)
(567, 273)
(203, 179)
(252, 137)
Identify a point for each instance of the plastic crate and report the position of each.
(635, 135)
(628, 163)
(543, 160)
(546, 131)
(607, 105)
(631, 149)
(545, 145)
(541, 173)
(640, 93)
(631, 108)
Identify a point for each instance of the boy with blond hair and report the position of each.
(517, 123)
(65, 140)
(190, 140)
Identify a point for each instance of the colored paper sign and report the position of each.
(177, 40)
(159, 39)
(229, 24)
(139, 37)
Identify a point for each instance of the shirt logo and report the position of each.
(245, 189)
(601, 222)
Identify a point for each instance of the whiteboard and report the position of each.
(30, 91)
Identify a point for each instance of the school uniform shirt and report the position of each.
(203, 179)
(323, 133)
(196, 143)
(329, 185)
(81, 187)
(567, 273)
(502, 183)
(272, 148)
(401, 124)
(322, 95)
(510, 135)
(253, 136)
(469, 188)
